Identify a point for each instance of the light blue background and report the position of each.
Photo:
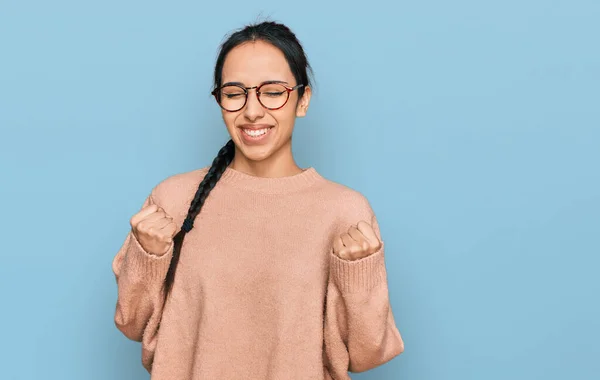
(472, 126)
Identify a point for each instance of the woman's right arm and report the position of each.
(140, 268)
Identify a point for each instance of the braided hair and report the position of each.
(285, 40)
(219, 164)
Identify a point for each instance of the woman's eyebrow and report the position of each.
(275, 82)
(265, 82)
(233, 84)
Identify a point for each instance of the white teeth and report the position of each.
(255, 133)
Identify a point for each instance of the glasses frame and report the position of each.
(288, 89)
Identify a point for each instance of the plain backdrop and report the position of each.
(473, 127)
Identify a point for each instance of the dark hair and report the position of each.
(285, 40)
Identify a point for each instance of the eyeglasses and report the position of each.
(271, 95)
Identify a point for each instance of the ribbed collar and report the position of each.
(277, 185)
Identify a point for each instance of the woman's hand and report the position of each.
(154, 229)
(360, 241)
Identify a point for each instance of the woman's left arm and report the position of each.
(359, 330)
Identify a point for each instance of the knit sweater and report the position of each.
(258, 292)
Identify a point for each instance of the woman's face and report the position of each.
(260, 133)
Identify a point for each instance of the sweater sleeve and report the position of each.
(359, 329)
(140, 276)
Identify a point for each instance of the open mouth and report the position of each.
(256, 132)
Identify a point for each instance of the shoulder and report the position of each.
(344, 196)
(175, 192)
(180, 182)
(347, 205)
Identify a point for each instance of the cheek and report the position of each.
(285, 117)
(229, 119)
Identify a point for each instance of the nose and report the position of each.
(253, 109)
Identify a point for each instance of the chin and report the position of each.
(258, 156)
(256, 153)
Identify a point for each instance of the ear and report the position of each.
(302, 107)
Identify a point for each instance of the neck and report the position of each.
(279, 164)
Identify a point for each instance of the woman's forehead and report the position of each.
(254, 63)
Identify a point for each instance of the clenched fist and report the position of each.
(154, 229)
(360, 241)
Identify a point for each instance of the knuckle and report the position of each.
(374, 247)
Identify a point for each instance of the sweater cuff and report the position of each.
(151, 266)
(358, 275)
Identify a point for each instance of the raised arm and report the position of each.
(359, 331)
(140, 268)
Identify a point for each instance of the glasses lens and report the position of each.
(273, 95)
(232, 97)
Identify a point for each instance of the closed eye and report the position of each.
(233, 96)
(273, 94)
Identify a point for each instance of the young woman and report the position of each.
(255, 268)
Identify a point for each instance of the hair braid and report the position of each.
(219, 164)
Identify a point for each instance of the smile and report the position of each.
(256, 132)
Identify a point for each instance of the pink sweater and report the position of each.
(258, 292)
